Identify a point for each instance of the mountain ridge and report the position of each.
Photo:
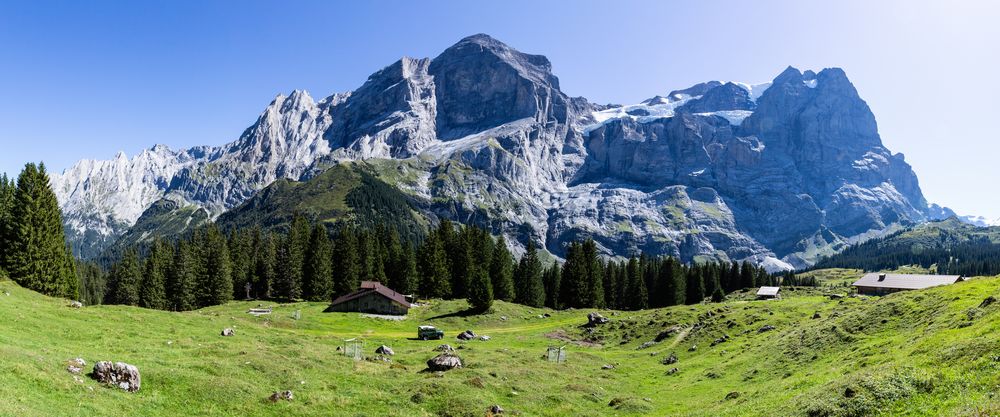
(775, 173)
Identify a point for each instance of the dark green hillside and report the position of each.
(350, 192)
(947, 247)
(165, 219)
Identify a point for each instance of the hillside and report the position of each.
(929, 352)
(949, 246)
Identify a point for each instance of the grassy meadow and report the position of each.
(930, 352)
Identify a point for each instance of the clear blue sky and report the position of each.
(87, 79)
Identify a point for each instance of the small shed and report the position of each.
(373, 298)
(883, 283)
(768, 293)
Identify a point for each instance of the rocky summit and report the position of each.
(778, 173)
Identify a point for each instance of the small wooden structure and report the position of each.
(883, 283)
(556, 354)
(372, 298)
(354, 348)
(769, 293)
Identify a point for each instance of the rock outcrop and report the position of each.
(118, 374)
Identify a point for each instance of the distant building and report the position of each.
(768, 293)
(882, 283)
(373, 298)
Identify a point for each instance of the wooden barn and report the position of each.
(769, 293)
(882, 283)
(372, 298)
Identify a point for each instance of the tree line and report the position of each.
(33, 249)
(319, 263)
(951, 255)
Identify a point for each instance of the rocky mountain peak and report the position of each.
(481, 83)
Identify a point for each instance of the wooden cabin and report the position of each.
(372, 298)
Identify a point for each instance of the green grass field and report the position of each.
(932, 352)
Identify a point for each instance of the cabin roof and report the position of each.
(768, 291)
(374, 287)
(905, 281)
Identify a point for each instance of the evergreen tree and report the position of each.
(529, 289)
(637, 295)
(318, 276)
(35, 254)
(480, 290)
(265, 265)
(435, 279)
(551, 280)
(152, 286)
(93, 283)
(292, 260)
(459, 250)
(123, 281)
(718, 295)
(502, 271)
(670, 288)
(746, 276)
(242, 261)
(408, 278)
(182, 278)
(573, 285)
(610, 285)
(695, 286)
(595, 294)
(7, 188)
(215, 285)
(347, 271)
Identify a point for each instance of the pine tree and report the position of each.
(637, 295)
(502, 271)
(610, 285)
(93, 283)
(216, 281)
(182, 278)
(573, 286)
(152, 287)
(347, 270)
(695, 286)
(480, 296)
(435, 279)
(595, 294)
(528, 279)
(718, 295)
(318, 276)
(409, 277)
(459, 250)
(123, 281)
(35, 254)
(670, 291)
(265, 265)
(288, 284)
(242, 261)
(551, 280)
(6, 205)
(746, 276)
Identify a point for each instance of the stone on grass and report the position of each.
(281, 395)
(384, 350)
(444, 362)
(670, 359)
(987, 301)
(484, 338)
(75, 366)
(673, 371)
(467, 335)
(496, 409)
(766, 328)
(595, 318)
(693, 348)
(444, 348)
(118, 374)
(76, 304)
(228, 332)
(608, 366)
(732, 395)
(816, 315)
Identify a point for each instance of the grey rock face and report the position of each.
(715, 171)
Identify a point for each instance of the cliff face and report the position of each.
(783, 170)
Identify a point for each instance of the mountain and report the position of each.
(779, 173)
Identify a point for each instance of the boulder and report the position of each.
(119, 374)
(467, 335)
(670, 359)
(228, 332)
(595, 319)
(987, 301)
(673, 371)
(732, 395)
(281, 395)
(816, 315)
(76, 304)
(444, 362)
(484, 338)
(496, 409)
(766, 328)
(384, 350)
(646, 345)
(693, 348)
(444, 348)
(608, 366)
(75, 366)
